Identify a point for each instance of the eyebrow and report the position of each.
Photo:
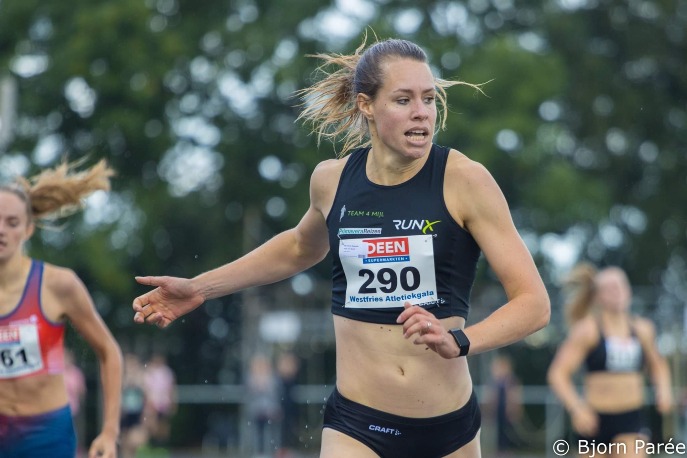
(410, 91)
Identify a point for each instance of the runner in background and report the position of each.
(37, 299)
(615, 347)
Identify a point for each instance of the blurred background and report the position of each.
(584, 126)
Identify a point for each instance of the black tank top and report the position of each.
(615, 354)
(392, 244)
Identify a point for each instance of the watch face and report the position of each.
(462, 341)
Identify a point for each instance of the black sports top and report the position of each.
(397, 244)
(616, 354)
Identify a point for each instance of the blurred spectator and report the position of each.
(161, 394)
(263, 403)
(134, 434)
(287, 371)
(221, 434)
(75, 384)
(504, 402)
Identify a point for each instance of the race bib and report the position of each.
(623, 355)
(20, 352)
(385, 272)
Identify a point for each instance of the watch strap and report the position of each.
(462, 341)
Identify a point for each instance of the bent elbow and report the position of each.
(542, 316)
(546, 315)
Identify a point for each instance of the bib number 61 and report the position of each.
(8, 359)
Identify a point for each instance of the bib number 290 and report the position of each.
(408, 277)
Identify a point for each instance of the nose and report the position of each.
(420, 110)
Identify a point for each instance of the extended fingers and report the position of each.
(145, 280)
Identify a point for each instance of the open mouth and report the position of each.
(416, 135)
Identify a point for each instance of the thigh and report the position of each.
(339, 445)
(470, 450)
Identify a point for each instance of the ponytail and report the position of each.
(580, 286)
(59, 192)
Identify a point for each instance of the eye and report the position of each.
(404, 101)
(429, 99)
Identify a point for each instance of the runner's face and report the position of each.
(15, 228)
(613, 290)
(404, 112)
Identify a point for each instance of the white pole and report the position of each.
(8, 110)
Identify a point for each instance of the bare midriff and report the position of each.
(379, 368)
(32, 395)
(614, 392)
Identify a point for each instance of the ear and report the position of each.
(364, 103)
(30, 229)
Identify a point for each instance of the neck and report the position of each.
(615, 318)
(13, 270)
(387, 168)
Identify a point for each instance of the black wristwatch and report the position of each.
(462, 341)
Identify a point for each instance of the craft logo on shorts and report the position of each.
(392, 249)
(385, 430)
(9, 335)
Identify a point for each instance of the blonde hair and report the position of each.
(580, 286)
(59, 192)
(330, 104)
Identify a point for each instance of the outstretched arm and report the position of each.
(279, 258)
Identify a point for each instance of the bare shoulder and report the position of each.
(324, 180)
(61, 280)
(471, 181)
(63, 292)
(585, 331)
(644, 327)
(466, 172)
(329, 169)
(471, 193)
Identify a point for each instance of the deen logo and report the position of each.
(9, 335)
(391, 249)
